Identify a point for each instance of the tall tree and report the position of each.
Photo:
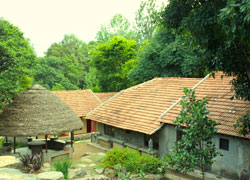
(119, 26)
(76, 50)
(16, 59)
(112, 61)
(196, 148)
(56, 73)
(221, 28)
(147, 18)
(168, 55)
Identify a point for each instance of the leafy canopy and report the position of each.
(113, 61)
(16, 59)
(168, 55)
(118, 26)
(56, 73)
(75, 51)
(221, 28)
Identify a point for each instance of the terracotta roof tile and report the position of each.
(141, 108)
(138, 108)
(222, 109)
(81, 101)
(105, 96)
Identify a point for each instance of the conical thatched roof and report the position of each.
(37, 112)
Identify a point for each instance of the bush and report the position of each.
(34, 162)
(134, 162)
(63, 166)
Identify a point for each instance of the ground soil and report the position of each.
(80, 150)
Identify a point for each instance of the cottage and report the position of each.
(146, 111)
(82, 102)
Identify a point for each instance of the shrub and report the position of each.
(63, 166)
(134, 162)
(34, 162)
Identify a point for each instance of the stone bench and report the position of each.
(144, 150)
(132, 146)
(117, 143)
(105, 141)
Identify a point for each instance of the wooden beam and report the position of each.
(46, 143)
(14, 144)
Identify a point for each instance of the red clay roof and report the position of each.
(141, 108)
(138, 108)
(105, 96)
(81, 101)
(222, 109)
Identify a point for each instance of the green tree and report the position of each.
(51, 71)
(57, 87)
(111, 60)
(221, 28)
(147, 18)
(119, 26)
(168, 55)
(16, 59)
(91, 80)
(196, 148)
(77, 51)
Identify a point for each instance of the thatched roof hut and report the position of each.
(37, 112)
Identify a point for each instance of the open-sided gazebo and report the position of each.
(36, 112)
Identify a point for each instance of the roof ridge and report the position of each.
(177, 102)
(96, 96)
(141, 84)
(104, 103)
(173, 105)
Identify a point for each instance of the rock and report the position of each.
(101, 154)
(109, 172)
(46, 165)
(51, 175)
(99, 170)
(14, 174)
(76, 173)
(92, 165)
(79, 166)
(88, 177)
(9, 161)
(154, 176)
(86, 160)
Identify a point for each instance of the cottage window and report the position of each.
(128, 131)
(179, 134)
(224, 144)
(109, 130)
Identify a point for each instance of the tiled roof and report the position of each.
(145, 107)
(105, 96)
(81, 101)
(222, 109)
(138, 108)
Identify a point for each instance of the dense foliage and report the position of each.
(221, 28)
(72, 51)
(133, 161)
(16, 59)
(57, 73)
(118, 26)
(168, 55)
(113, 60)
(196, 148)
(147, 18)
